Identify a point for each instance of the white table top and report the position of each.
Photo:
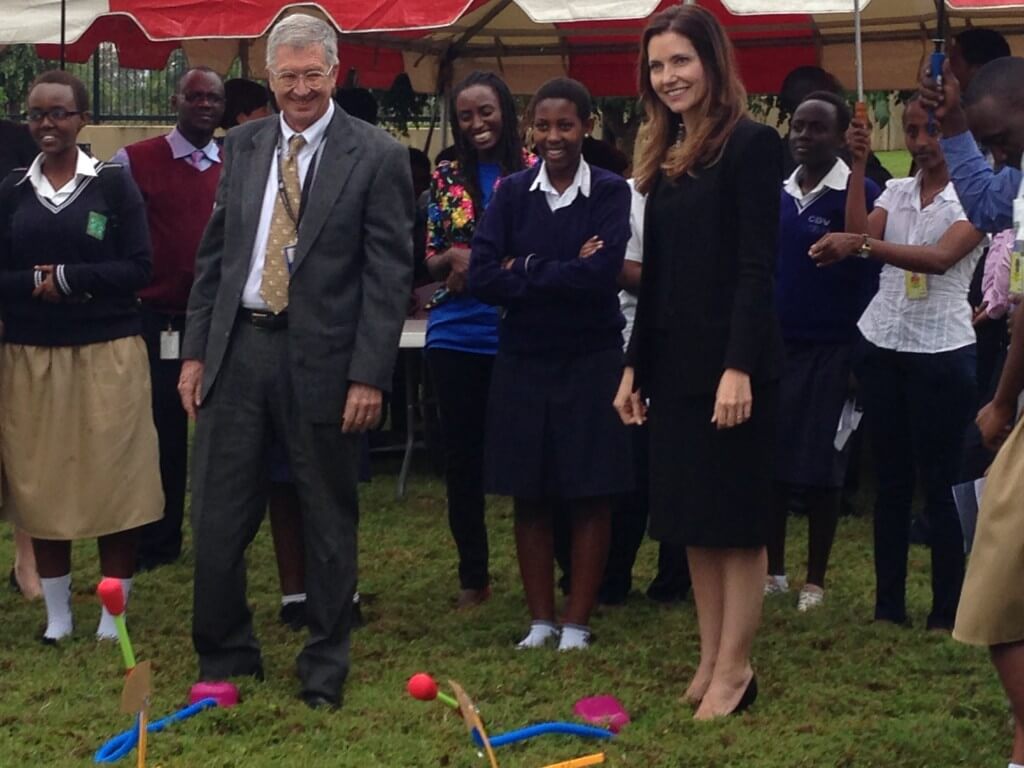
(414, 334)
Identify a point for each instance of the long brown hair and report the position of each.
(723, 105)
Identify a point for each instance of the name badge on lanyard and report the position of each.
(1017, 257)
(916, 285)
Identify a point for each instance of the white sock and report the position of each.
(107, 629)
(540, 633)
(574, 638)
(298, 597)
(1015, 765)
(57, 594)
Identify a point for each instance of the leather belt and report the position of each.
(264, 319)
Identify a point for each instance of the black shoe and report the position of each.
(319, 701)
(748, 698)
(12, 581)
(358, 622)
(293, 615)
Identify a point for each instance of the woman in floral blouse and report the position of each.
(462, 333)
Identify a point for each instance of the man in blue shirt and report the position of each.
(994, 114)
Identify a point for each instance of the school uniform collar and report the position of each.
(836, 179)
(580, 183)
(85, 166)
(947, 195)
(182, 147)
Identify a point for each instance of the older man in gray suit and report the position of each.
(293, 324)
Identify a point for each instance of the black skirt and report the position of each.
(814, 387)
(709, 487)
(552, 431)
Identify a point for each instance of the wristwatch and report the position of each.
(864, 251)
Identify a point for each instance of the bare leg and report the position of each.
(535, 551)
(286, 530)
(53, 558)
(25, 572)
(1009, 663)
(591, 534)
(744, 572)
(119, 553)
(707, 576)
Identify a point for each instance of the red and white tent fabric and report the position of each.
(527, 40)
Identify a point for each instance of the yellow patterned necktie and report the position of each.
(283, 229)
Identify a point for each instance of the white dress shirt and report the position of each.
(836, 179)
(314, 136)
(634, 252)
(942, 321)
(54, 199)
(181, 149)
(580, 186)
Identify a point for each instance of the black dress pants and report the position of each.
(462, 381)
(161, 540)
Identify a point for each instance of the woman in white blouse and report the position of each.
(917, 378)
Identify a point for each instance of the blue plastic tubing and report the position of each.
(122, 744)
(568, 729)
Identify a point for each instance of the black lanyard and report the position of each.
(282, 191)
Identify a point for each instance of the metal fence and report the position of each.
(128, 95)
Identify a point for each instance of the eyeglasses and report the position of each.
(57, 114)
(194, 97)
(314, 79)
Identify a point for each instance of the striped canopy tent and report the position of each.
(528, 41)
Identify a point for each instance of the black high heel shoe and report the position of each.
(748, 698)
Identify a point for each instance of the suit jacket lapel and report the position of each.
(332, 173)
(256, 162)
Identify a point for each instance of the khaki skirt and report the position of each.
(991, 608)
(77, 442)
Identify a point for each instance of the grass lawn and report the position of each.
(836, 690)
(897, 162)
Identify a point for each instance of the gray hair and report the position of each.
(301, 30)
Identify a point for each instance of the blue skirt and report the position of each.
(552, 431)
(815, 384)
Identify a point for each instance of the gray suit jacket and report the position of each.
(352, 272)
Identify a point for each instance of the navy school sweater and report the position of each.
(820, 304)
(104, 266)
(556, 304)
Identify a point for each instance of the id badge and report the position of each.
(1017, 269)
(170, 345)
(916, 285)
(289, 256)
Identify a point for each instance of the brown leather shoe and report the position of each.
(469, 598)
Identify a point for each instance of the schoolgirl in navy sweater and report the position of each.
(77, 439)
(549, 251)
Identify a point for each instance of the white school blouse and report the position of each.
(942, 321)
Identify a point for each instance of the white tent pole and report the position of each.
(858, 47)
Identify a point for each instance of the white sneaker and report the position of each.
(775, 585)
(540, 634)
(574, 638)
(811, 597)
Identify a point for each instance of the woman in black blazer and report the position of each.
(706, 349)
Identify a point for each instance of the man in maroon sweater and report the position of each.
(177, 174)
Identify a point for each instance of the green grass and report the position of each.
(896, 161)
(836, 690)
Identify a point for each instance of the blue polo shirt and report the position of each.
(820, 304)
(462, 323)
